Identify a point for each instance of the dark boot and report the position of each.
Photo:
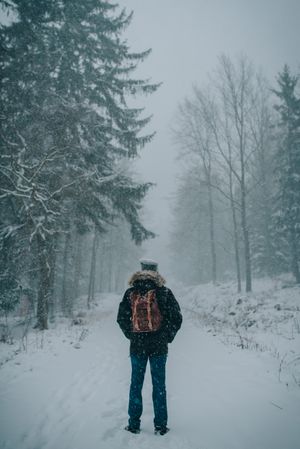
(161, 430)
(132, 429)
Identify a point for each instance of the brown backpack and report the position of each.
(145, 313)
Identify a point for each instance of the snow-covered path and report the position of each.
(220, 397)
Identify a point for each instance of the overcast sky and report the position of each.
(186, 38)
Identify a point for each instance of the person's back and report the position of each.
(150, 317)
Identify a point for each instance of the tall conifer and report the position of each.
(66, 126)
(288, 164)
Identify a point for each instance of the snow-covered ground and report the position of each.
(69, 388)
(266, 320)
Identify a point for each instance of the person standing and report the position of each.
(149, 316)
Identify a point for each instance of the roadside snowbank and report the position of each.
(268, 319)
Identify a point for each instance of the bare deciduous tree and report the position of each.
(195, 139)
(235, 84)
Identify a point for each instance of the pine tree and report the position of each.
(288, 165)
(66, 126)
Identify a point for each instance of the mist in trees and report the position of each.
(68, 136)
(236, 211)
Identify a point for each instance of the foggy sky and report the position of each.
(186, 40)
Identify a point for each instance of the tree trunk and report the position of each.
(246, 242)
(266, 212)
(118, 280)
(101, 275)
(234, 222)
(212, 233)
(77, 268)
(244, 209)
(294, 255)
(52, 259)
(66, 301)
(235, 236)
(44, 283)
(91, 292)
(269, 265)
(109, 263)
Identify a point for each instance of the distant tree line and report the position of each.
(67, 135)
(237, 208)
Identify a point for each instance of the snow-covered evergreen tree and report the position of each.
(66, 128)
(288, 165)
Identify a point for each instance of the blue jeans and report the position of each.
(159, 395)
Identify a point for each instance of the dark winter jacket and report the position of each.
(150, 343)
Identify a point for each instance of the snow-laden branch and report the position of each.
(47, 158)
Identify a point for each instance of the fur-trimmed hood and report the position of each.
(147, 275)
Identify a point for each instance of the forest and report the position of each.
(72, 123)
(237, 207)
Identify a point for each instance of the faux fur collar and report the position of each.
(147, 275)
